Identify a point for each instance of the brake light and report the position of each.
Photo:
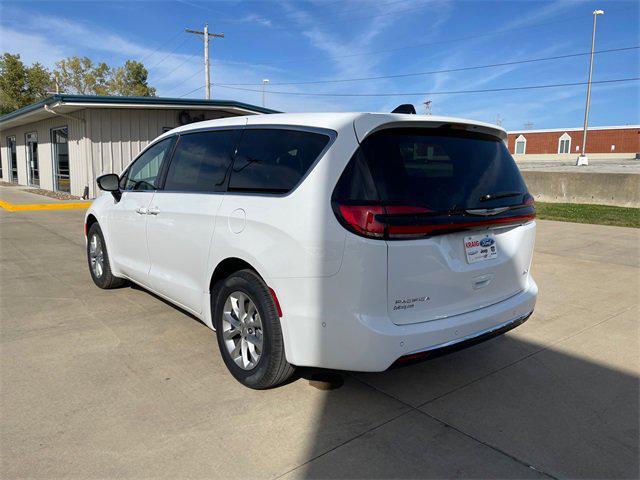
(365, 220)
(362, 219)
(394, 222)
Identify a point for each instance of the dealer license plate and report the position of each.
(480, 247)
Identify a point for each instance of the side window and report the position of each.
(201, 161)
(143, 173)
(274, 161)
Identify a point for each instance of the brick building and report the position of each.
(618, 142)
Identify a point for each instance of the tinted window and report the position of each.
(201, 161)
(274, 161)
(435, 169)
(143, 173)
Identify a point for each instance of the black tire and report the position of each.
(272, 368)
(106, 279)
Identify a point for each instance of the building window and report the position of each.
(13, 159)
(33, 162)
(60, 145)
(521, 145)
(564, 143)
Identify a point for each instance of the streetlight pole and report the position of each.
(582, 159)
(265, 82)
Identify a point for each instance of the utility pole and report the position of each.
(427, 107)
(206, 35)
(582, 159)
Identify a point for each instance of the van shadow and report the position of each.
(508, 408)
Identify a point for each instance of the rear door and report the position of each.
(182, 216)
(127, 218)
(456, 216)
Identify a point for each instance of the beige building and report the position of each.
(64, 142)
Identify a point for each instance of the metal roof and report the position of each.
(75, 102)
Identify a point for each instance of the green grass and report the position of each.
(583, 213)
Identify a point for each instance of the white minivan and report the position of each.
(350, 241)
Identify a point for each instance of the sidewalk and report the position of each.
(15, 198)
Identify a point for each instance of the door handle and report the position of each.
(153, 211)
(141, 210)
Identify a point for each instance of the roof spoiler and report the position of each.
(405, 108)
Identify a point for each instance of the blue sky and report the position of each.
(296, 41)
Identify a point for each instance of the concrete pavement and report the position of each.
(104, 384)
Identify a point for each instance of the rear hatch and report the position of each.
(455, 214)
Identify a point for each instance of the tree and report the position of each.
(21, 85)
(82, 76)
(131, 80)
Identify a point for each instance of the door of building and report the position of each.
(59, 139)
(32, 159)
(13, 159)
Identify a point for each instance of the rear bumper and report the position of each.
(334, 335)
(460, 344)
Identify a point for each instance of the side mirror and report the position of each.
(110, 183)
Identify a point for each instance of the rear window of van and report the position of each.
(436, 169)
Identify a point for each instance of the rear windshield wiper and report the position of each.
(493, 196)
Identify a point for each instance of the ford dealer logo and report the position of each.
(487, 242)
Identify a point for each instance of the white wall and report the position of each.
(537, 157)
(45, 150)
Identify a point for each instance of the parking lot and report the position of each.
(104, 384)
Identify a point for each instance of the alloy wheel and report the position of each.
(242, 330)
(96, 255)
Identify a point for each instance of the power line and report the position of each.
(190, 57)
(172, 51)
(162, 45)
(200, 88)
(431, 72)
(182, 82)
(452, 92)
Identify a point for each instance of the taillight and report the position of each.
(368, 220)
(395, 222)
(362, 219)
